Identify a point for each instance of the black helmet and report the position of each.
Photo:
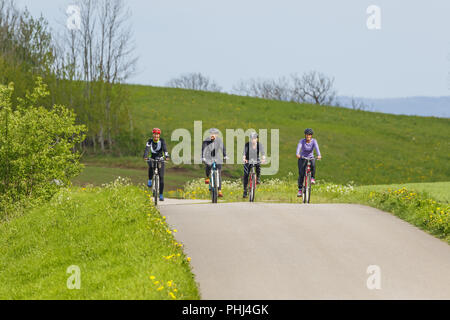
(309, 132)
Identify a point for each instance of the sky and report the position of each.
(236, 40)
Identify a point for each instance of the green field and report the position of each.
(364, 147)
(114, 235)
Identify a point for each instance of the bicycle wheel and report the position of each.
(308, 190)
(214, 188)
(252, 187)
(305, 186)
(156, 189)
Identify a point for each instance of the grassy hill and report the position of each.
(364, 147)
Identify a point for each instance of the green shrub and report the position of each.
(36, 147)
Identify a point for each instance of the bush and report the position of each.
(416, 208)
(36, 147)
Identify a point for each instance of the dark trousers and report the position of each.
(247, 173)
(219, 168)
(161, 174)
(301, 171)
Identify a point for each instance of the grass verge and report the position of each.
(120, 242)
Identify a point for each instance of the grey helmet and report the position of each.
(254, 135)
(214, 131)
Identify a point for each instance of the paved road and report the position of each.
(294, 252)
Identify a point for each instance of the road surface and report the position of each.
(299, 252)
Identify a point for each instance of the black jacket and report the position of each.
(254, 154)
(209, 148)
(157, 149)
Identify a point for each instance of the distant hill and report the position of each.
(417, 106)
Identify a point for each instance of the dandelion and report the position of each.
(172, 295)
(152, 278)
(160, 288)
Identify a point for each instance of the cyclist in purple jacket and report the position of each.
(305, 150)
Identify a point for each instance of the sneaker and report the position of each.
(245, 194)
(220, 194)
(258, 181)
(300, 194)
(161, 197)
(207, 181)
(313, 181)
(150, 183)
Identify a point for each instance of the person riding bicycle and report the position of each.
(210, 152)
(158, 149)
(252, 152)
(305, 150)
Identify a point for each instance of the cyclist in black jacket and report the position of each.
(210, 152)
(252, 151)
(156, 149)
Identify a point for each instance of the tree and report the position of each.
(36, 146)
(194, 81)
(314, 87)
(265, 88)
(100, 56)
(26, 49)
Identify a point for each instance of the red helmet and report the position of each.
(157, 131)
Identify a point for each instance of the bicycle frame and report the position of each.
(214, 182)
(307, 181)
(252, 179)
(156, 181)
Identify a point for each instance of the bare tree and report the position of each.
(312, 87)
(194, 81)
(265, 88)
(315, 87)
(101, 55)
(359, 104)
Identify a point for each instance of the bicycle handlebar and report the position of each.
(254, 162)
(156, 160)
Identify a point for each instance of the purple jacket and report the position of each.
(306, 150)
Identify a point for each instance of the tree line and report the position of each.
(85, 68)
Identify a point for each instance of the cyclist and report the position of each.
(305, 150)
(158, 149)
(210, 151)
(252, 151)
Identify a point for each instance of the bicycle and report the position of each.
(307, 186)
(156, 181)
(252, 182)
(214, 182)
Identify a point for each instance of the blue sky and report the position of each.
(233, 40)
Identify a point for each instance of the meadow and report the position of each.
(361, 147)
